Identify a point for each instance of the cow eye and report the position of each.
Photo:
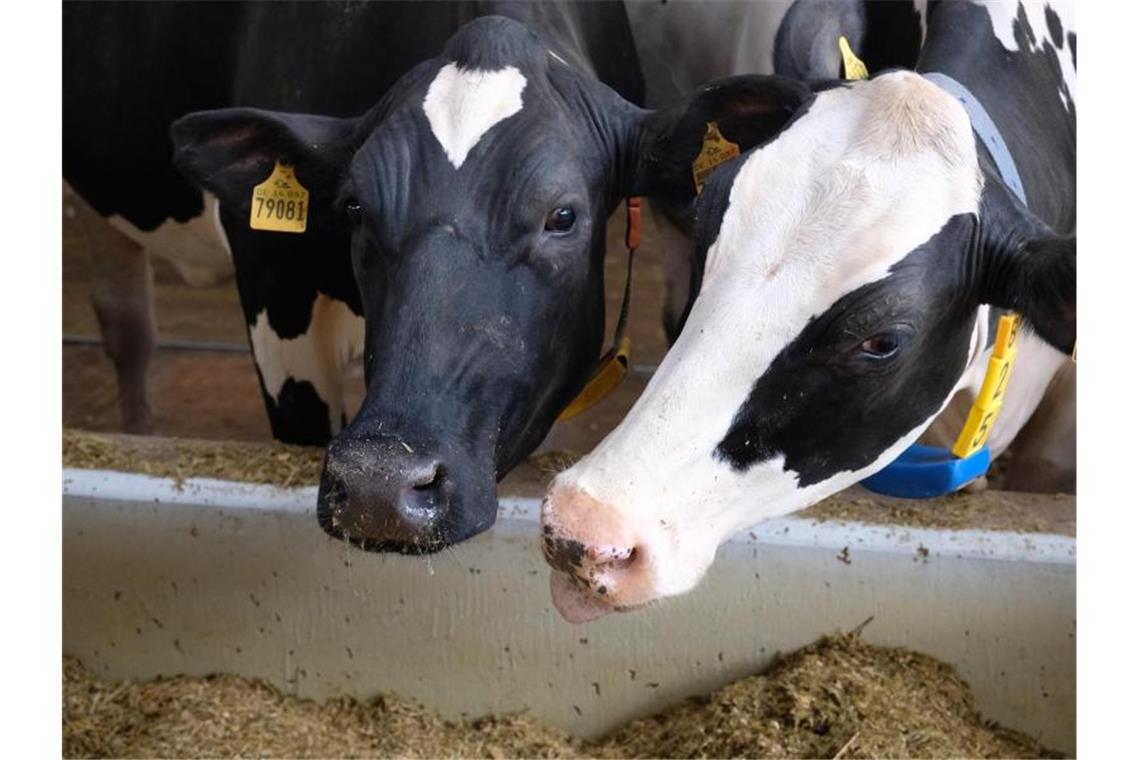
(354, 211)
(560, 219)
(881, 346)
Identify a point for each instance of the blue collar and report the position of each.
(985, 128)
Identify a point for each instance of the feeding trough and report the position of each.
(189, 575)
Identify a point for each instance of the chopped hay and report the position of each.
(987, 510)
(555, 461)
(227, 716)
(273, 463)
(838, 695)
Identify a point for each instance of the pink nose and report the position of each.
(589, 543)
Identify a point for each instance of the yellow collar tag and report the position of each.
(280, 203)
(853, 68)
(715, 151)
(608, 377)
(984, 412)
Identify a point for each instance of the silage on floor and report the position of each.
(837, 696)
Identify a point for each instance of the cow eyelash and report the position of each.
(560, 221)
(877, 352)
(882, 345)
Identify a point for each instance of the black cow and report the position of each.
(473, 197)
(130, 69)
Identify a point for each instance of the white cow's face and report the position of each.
(833, 323)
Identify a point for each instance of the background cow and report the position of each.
(855, 262)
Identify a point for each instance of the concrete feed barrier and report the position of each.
(206, 576)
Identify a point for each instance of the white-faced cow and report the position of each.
(855, 262)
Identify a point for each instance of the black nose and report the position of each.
(384, 494)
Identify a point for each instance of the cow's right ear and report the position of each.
(1026, 267)
(747, 110)
(229, 151)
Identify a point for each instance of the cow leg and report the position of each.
(675, 251)
(1044, 454)
(123, 296)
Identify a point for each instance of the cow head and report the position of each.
(846, 264)
(473, 199)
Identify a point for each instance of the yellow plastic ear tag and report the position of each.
(280, 203)
(853, 68)
(988, 403)
(604, 380)
(715, 151)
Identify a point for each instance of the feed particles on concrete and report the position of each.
(840, 697)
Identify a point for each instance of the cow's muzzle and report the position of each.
(383, 494)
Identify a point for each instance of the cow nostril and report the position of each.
(424, 496)
(611, 557)
(428, 478)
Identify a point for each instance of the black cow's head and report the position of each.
(473, 199)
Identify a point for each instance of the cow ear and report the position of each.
(1027, 268)
(229, 151)
(747, 110)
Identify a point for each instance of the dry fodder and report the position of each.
(838, 697)
(272, 463)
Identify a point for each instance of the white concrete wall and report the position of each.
(235, 578)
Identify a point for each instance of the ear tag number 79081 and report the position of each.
(280, 203)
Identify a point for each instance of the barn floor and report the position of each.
(214, 394)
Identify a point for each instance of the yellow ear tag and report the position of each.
(853, 68)
(280, 203)
(715, 151)
(604, 380)
(988, 403)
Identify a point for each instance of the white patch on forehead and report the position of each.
(322, 356)
(1003, 16)
(463, 104)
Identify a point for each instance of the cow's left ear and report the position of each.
(1026, 267)
(747, 111)
(229, 151)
